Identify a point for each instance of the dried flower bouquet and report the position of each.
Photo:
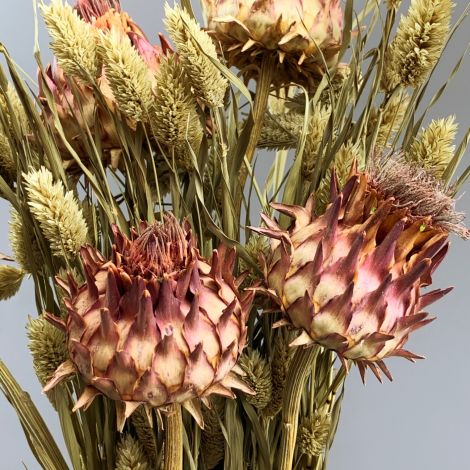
(175, 329)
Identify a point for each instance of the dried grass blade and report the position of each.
(39, 437)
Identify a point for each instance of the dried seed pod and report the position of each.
(145, 433)
(280, 362)
(24, 244)
(313, 433)
(130, 455)
(212, 438)
(10, 281)
(57, 212)
(195, 50)
(47, 346)
(258, 377)
(418, 44)
(434, 147)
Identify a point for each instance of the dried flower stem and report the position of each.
(268, 69)
(173, 438)
(298, 373)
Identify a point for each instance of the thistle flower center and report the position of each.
(413, 188)
(162, 248)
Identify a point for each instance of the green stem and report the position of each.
(229, 220)
(173, 459)
(298, 373)
(268, 67)
(311, 404)
(267, 70)
(335, 384)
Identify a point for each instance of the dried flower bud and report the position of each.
(258, 377)
(434, 147)
(212, 438)
(10, 281)
(130, 455)
(128, 74)
(182, 321)
(57, 211)
(195, 48)
(301, 35)
(47, 346)
(73, 40)
(418, 43)
(351, 279)
(313, 433)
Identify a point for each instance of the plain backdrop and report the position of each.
(420, 421)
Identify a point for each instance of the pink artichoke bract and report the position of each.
(122, 22)
(157, 324)
(90, 9)
(298, 32)
(351, 280)
(76, 117)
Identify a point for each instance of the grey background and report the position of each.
(420, 421)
